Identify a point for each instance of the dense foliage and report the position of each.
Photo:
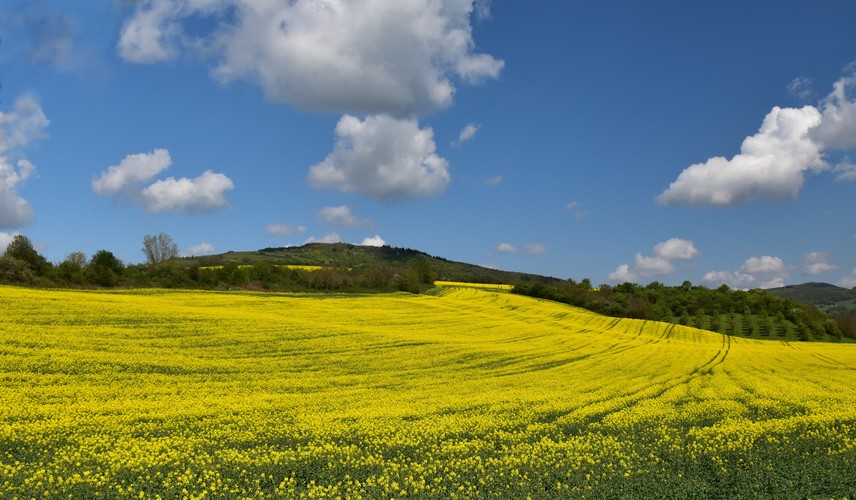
(752, 313)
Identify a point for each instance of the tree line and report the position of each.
(22, 264)
(720, 309)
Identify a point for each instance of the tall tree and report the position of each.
(159, 248)
(21, 248)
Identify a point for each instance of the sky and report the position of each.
(618, 141)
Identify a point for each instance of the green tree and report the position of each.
(104, 268)
(21, 248)
(71, 269)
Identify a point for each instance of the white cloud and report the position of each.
(817, 263)
(773, 162)
(756, 272)
(623, 274)
(467, 134)
(837, 129)
(652, 266)
(340, 216)
(327, 238)
(846, 170)
(848, 281)
(676, 248)
(660, 264)
(733, 279)
(362, 56)
(284, 230)
(506, 248)
(763, 264)
(204, 193)
(133, 170)
(384, 158)
(373, 241)
(534, 249)
(203, 248)
(19, 128)
(494, 181)
(5, 239)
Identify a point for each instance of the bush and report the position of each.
(15, 271)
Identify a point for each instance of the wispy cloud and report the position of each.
(494, 181)
(203, 248)
(576, 210)
(340, 216)
(327, 238)
(814, 263)
(467, 134)
(284, 230)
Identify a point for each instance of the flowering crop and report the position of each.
(468, 392)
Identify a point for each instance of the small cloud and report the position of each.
(384, 158)
(756, 272)
(506, 248)
(200, 249)
(764, 264)
(846, 170)
(623, 274)
(494, 181)
(534, 249)
(5, 239)
(467, 134)
(284, 230)
(340, 216)
(817, 263)
(327, 238)
(801, 88)
(204, 193)
(373, 241)
(676, 248)
(848, 281)
(576, 210)
(662, 263)
(481, 8)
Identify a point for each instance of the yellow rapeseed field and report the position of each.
(466, 392)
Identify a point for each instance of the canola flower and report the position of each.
(469, 392)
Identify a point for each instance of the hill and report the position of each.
(831, 299)
(358, 257)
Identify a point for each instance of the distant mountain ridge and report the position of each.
(347, 255)
(832, 299)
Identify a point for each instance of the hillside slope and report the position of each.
(463, 393)
(345, 255)
(831, 299)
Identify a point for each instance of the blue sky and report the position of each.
(619, 140)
